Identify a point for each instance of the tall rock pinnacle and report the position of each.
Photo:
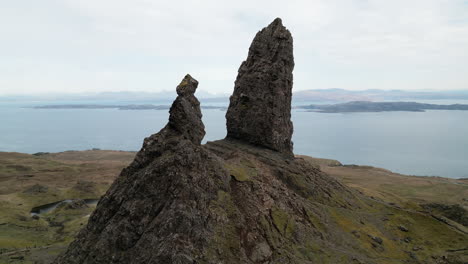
(260, 107)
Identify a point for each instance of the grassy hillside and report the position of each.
(27, 181)
(396, 188)
(394, 225)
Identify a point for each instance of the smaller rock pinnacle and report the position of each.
(185, 113)
(187, 86)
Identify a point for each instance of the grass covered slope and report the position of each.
(394, 187)
(308, 217)
(391, 227)
(28, 181)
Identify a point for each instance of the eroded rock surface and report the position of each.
(260, 107)
(157, 209)
(244, 199)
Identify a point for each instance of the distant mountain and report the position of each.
(315, 95)
(122, 96)
(119, 107)
(342, 95)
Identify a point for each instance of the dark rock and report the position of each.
(260, 107)
(356, 233)
(454, 212)
(417, 248)
(376, 239)
(157, 211)
(403, 228)
(261, 253)
(356, 260)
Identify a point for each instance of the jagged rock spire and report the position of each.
(260, 107)
(185, 114)
(185, 122)
(156, 210)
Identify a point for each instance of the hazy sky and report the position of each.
(71, 46)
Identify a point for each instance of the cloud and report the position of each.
(105, 45)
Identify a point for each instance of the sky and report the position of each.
(92, 46)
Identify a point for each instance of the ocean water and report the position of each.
(432, 143)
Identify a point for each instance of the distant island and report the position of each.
(343, 95)
(119, 107)
(349, 107)
(366, 106)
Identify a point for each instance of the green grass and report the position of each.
(243, 170)
(282, 227)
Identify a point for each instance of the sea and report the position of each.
(431, 143)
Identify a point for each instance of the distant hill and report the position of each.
(342, 95)
(122, 96)
(316, 95)
(365, 106)
(119, 107)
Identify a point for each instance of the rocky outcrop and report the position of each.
(245, 199)
(260, 107)
(454, 212)
(157, 211)
(184, 122)
(224, 202)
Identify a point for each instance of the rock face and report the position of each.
(157, 209)
(184, 122)
(260, 107)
